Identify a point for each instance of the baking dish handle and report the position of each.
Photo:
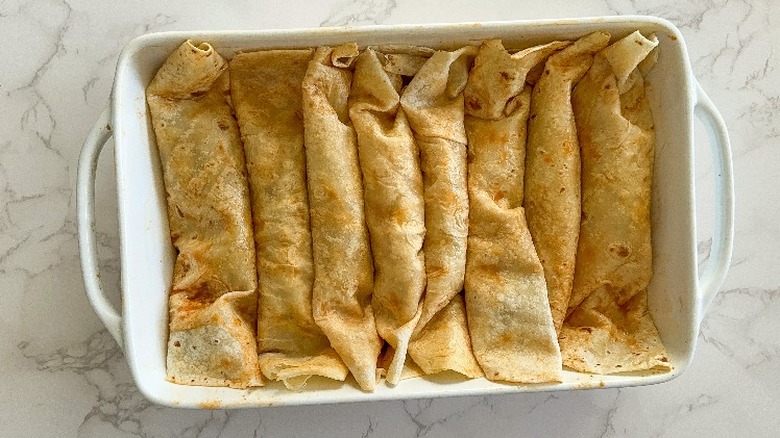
(715, 270)
(85, 200)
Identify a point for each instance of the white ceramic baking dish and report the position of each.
(678, 295)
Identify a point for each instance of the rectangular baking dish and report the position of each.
(678, 294)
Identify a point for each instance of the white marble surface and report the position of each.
(61, 374)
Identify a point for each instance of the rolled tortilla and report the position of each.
(509, 317)
(552, 174)
(213, 298)
(394, 203)
(433, 102)
(266, 93)
(609, 328)
(343, 270)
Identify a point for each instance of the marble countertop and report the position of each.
(61, 374)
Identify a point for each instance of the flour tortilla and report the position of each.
(433, 101)
(509, 317)
(343, 269)
(266, 93)
(609, 328)
(213, 297)
(394, 203)
(552, 174)
(617, 161)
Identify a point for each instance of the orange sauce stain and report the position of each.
(210, 404)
